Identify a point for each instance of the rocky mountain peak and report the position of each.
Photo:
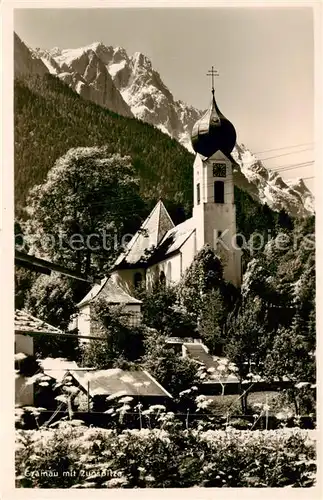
(131, 86)
(26, 62)
(119, 54)
(140, 61)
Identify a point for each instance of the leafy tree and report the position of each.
(162, 311)
(123, 341)
(204, 274)
(209, 298)
(50, 298)
(247, 343)
(82, 205)
(213, 316)
(24, 278)
(293, 356)
(279, 335)
(173, 372)
(48, 113)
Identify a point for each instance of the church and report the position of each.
(162, 251)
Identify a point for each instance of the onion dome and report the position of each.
(213, 132)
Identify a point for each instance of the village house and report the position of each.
(26, 327)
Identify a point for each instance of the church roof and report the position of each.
(148, 237)
(110, 291)
(174, 239)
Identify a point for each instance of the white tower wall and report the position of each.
(215, 219)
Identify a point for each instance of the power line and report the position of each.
(285, 154)
(273, 169)
(285, 147)
(291, 166)
(122, 203)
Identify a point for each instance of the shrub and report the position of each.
(76, 456)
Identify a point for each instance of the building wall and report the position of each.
(134, 311)
(24, 344)
(87, 326)
(188, 252)
(83, 323)
(212, 218)
(125, 278)
(171, 267)
(24, 394)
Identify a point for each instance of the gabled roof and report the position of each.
(110, 291)
(226, 155)
(57, 367)
(25, 322)
(147, 237)
(117, 381)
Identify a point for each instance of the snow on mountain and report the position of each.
(130, 86)
(268, 186)
(299, 186)
(87, 74)
(98, 71)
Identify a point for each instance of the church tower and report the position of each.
(213, 139)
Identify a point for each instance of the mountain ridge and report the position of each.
(138, 84)
(129, 86)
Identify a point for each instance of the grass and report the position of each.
(231, 402)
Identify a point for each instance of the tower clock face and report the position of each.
(219, 170)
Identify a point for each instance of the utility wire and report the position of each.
(285, 147)
(292, 166)
(174, 190)
(285, 154)
(277, 170)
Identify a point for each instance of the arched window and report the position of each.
(169, 272)
(162, 278)
(219, 192)
(138, 280)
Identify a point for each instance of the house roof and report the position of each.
(199, 353)
(57, 367)
(25, 322)
(119, 382)
(147, 237)
(111, 292)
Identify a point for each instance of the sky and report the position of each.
(264, 56)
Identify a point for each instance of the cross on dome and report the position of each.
(213, 131)
(212, 72)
